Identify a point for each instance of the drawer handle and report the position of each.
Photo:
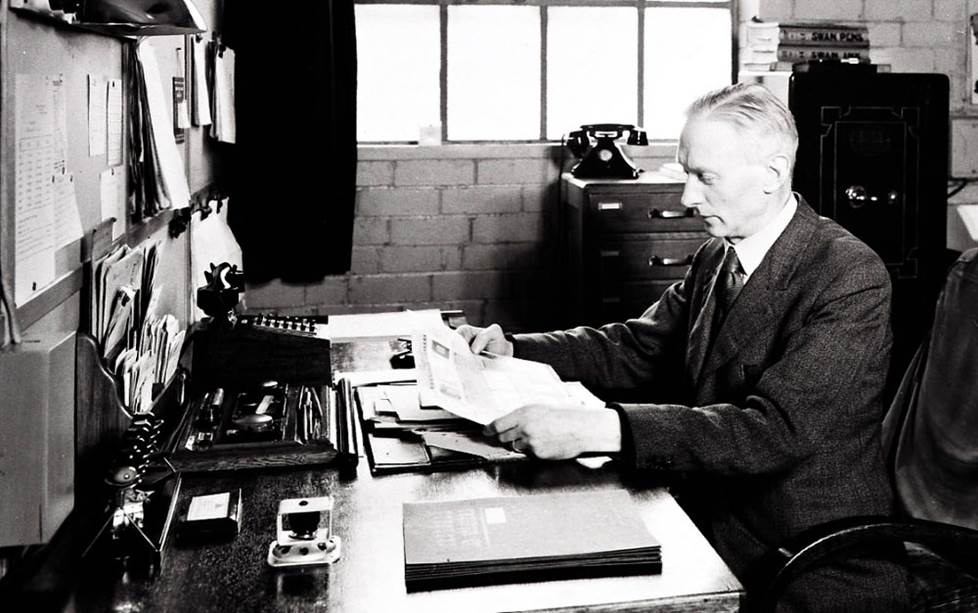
(609, 206)
(669, 214)
(610, 253)
(660, 261)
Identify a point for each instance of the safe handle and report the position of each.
(656, 260)
(859, 197)
(670, 214)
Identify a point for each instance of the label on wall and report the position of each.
(181, 116)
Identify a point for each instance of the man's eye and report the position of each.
(706, 180)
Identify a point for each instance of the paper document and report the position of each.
(67, 219)
(224, 126)
(96, 115)
(35, 160)
(470, 443)
(200, 97)
(171, 167)
(114, 118)
(487, 386)
(359, 378)
(56, 83)
(377, 325)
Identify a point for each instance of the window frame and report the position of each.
(544, 5)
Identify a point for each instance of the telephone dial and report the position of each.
(601, 156)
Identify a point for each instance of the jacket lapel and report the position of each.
(761, 300)
(699, 334)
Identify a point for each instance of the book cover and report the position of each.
(824, 35)
(497, 539)
(792, 53)
(767, 36)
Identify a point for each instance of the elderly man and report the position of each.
(781, 332)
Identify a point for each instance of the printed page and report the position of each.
(114, 119)
(35, 161)
(487, 386)
(96, 115)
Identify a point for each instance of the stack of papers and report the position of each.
(139, 346)
(502, 539)
(396, 407)
(167, 182)
(118, 285)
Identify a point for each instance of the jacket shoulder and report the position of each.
(839, 249)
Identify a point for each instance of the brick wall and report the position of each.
(471, 227)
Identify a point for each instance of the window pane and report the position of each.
(592, 67)
(687, 53)
(493, 73)
(399, 52)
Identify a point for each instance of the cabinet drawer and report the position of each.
(632, 299)
(656, 212)
(647, 256)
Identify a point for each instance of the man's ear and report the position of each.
(778, 173)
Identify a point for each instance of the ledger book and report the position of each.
(525, 538)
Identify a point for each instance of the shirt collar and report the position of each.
(752, 249)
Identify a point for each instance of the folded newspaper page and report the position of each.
(486, 386)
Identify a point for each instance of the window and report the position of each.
(532, 70)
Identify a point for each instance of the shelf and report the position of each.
(126, 31)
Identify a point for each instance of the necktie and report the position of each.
(730, 280)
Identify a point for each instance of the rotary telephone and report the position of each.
(602, 157)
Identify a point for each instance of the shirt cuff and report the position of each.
(512, 339)
(627, 453)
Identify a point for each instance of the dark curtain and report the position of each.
(293, 188)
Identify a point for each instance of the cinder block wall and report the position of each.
(472, 227)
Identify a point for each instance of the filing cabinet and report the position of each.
(623, 243)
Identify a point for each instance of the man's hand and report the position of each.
(489, 339)
(558, 433)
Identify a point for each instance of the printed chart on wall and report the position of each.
(46, 210)
(39, 178)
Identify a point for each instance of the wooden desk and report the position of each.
(369, 577)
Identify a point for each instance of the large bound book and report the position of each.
(796, 53)
(768, 35)
(525, 538)
(823, 34)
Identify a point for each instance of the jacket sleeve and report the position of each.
(618, 355)
(821, 389)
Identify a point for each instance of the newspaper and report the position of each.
(484, 387)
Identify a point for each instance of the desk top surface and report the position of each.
(369, 577)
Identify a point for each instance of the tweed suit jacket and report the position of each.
(778, 424)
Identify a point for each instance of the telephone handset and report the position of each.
(601, 157)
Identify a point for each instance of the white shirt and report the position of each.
(752, 249)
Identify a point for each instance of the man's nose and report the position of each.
(691, 194)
